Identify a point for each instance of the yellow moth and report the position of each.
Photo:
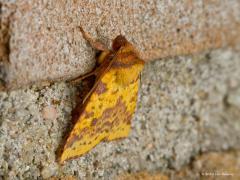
(108, 108)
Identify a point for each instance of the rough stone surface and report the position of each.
(213, 165)
(186, 105)
(40, 40)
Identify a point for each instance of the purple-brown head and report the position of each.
(118, 42)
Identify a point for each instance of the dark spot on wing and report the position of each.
(114, 92)
(133, 99)
(101, 88)
(88, 114)
(94, 122)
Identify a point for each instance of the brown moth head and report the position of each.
(118, 42)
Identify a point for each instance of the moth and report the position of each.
(108, 108)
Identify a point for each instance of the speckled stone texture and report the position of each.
(186, 105)
(208, 166)
(40, 40)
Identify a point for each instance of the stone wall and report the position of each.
(189, 99)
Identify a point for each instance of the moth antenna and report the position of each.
(93, 42)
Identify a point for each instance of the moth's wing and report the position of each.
(98, 73)
(106, 115)
(124, 110)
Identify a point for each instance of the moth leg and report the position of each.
(88, 94)
(94, 43)
(103, 63)
(80, 78)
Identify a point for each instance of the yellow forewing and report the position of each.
(108, 110)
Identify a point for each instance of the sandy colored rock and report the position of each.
(221, 165)
(49, 113)
(211, 166)
(40, 40)
(143, 176)
(63, 178)
(208, 166)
